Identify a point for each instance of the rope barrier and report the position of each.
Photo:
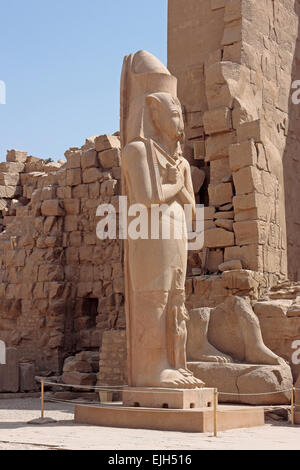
(122, 388)
(255, 394)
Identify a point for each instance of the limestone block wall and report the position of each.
(233, 60)
(60, 286)
(291, 166)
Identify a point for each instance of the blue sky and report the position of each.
(61, 61)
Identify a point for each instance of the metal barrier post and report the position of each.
(215, 412)
(42, 398)
(293, 406)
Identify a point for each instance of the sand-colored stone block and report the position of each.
(89, 159)
(52, 207)
(16, 156)
(220, 171)
(73, 177)
(242, 155)
(251, 256)
(9, 179)
(252, 130)
(107, 142)
(91, 175)
(72, 206)
(252, 206)
(110, 158)
(248, 180)
(220, 194)
(217, 120)
(217, 146)
(232, 33)
(218, 238)
(250, 232)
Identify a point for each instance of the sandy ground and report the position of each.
(16, 434)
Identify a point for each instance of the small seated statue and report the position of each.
(225, 348)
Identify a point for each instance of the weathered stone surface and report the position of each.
(239, 280)
(91, 175)
(209, 213)
(220, 171)
(11, 167)
(248, 180)
(73, 177)
(107, 142)
(225, 223)
(230, 265)
(77, 366)
(220, 194)
(217, 146)
(27, 377)
(251, 256)
(242, 154)
(279, 330)
(9, 372)
(110, 158)
(16, 156)
(89, 159)
(218, 238)
(250, 232)
(251, 130)
(77, 378)
(217, 120)
(52, 207)
(198, 177)
(9, 179)
(238, 379)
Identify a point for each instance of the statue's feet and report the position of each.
(181, 378)
(209, 353)
(172, 378)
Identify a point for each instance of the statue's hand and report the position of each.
(175, 176)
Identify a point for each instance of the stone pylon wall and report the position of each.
(234, 62)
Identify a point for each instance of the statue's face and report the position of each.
(167, 116)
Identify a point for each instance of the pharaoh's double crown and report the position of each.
(142, 75)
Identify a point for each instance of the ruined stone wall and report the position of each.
(233, 60)
(61, 286)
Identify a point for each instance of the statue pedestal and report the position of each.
(192, 420)
(177, 399)
(169, 410)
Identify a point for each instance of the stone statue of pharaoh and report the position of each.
(154, 173)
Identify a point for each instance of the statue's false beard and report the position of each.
(181, 136)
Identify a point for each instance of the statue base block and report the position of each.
(266, 385)
(178, 399)
(192, 420)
